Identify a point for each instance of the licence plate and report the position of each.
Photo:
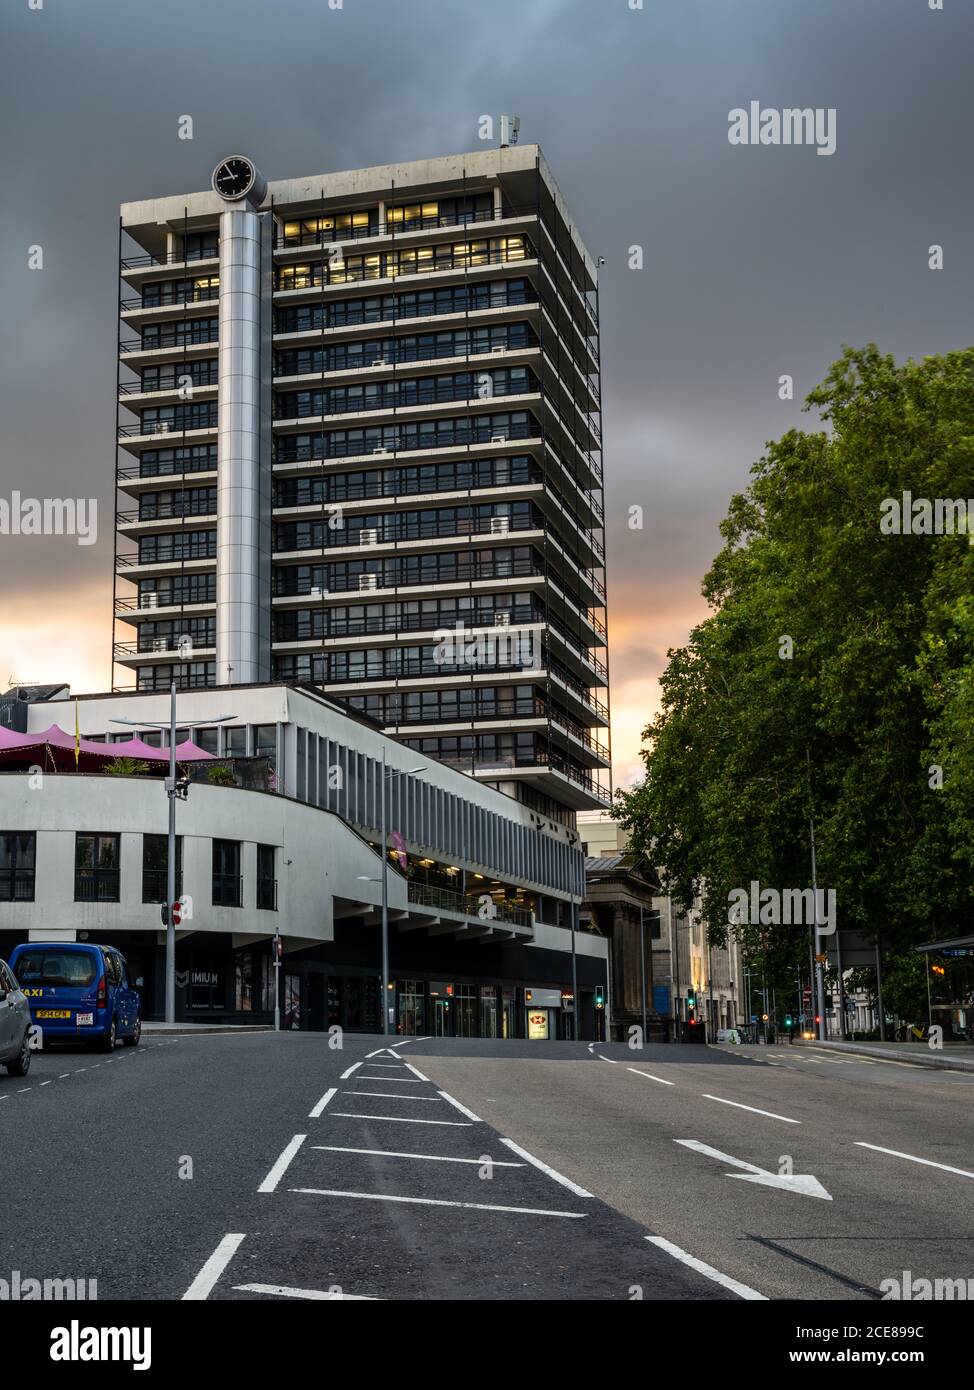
(82, 1019)
(53, 1013)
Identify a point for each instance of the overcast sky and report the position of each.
(758, 260)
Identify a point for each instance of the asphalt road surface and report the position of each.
(262, 1166)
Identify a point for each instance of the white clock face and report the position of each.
(234, 177)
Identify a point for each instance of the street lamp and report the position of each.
(171, 850)
(387, 772)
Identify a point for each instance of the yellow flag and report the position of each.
(77, 736)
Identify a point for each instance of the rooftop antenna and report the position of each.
(510, 127)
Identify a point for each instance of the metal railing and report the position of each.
(319, 236)
(342, 447)
(96, 885)
(391, 356)
(454, 574)
(353, 275)
(161, 428)
(357, 312)
(227, 890)
(170, 258)
(140, 388)
(428, 895)
(16, 885)
(393, 395)
(163, 511)
(267, 894)
(197, 296)
(306, 630)
(359, 487)
(173, 340)
(402, 530)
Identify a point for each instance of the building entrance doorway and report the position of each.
(442, 1022)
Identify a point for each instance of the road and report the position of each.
(261, 1166)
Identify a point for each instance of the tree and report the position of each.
(873, 687)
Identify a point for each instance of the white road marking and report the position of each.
(444, 1095)
(415, 1071)
(387, 1095)
(346, 1074)
(378, 1052)
(48, 1083)
(753, 1109)
(649, 1075)
(280, 1167)
(804, 1183)
(430, 1158)
(398, 1065)
(282, 1291)
(438, 1202)
(613, 1060)
(558, 1177)
(313, 1114)
(399, 1080)
(203, 1284)
(927, 1162)
(400, 1119)
(742, 1290)
(64, 1076)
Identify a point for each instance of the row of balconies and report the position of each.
(375, 236)
(375, 394)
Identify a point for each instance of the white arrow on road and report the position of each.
(803, 1183)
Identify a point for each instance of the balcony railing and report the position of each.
(375, 310)
(353, 275)
(96, 885)
(362, 487)
(428, 895)
(155, 885)
(198, 296)
(164, 646)
(168, 427)
(171, 258)
(166, 511)
(379, 447)
(16, 885)
(170, 340)
(392, 356)
(306, 630)
(322, 235)
(139, 388)
(267, 894)
(227, 890)
(306, 587)
(399, 531)
(395, 397)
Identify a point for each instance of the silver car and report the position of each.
(15, 1026)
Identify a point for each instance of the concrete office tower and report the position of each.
(366, 456)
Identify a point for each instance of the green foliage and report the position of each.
(219, 775)
(879, 690)
(126, 767)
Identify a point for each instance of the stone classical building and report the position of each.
(695, 989)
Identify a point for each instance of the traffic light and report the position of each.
(600, 996)
(787, 1020)
(691, 1006)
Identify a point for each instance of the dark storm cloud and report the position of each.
(757, 261)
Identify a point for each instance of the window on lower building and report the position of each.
(266, 882)
(226, 873)
(155, 859)
(96, 868)
(18, 850)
